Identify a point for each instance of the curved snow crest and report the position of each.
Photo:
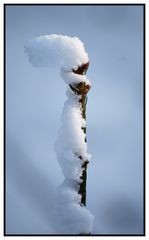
(56, 51)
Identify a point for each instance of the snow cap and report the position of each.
(56, 51)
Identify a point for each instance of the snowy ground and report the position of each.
(35, 98)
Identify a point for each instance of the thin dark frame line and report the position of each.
(144, 115)
(4, 112)
(75, 235)
(74, 4)
(144, 112)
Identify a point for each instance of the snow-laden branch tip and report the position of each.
(68, 53)
(56, 51)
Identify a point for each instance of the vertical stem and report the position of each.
(82, 190)
(81, 89)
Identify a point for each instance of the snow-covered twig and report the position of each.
(71, 147)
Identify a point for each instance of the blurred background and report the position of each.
(113, 38)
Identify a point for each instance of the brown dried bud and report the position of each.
(81, 70)
(81, 88)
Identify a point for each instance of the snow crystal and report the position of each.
(56, 50)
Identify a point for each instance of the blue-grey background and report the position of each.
(113, 38)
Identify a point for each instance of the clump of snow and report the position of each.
(56, 50)
(72, 218)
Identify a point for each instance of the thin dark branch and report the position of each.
(82, 89)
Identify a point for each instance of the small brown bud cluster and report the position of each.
(81, 88)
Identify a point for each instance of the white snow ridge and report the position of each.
(67, 53)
